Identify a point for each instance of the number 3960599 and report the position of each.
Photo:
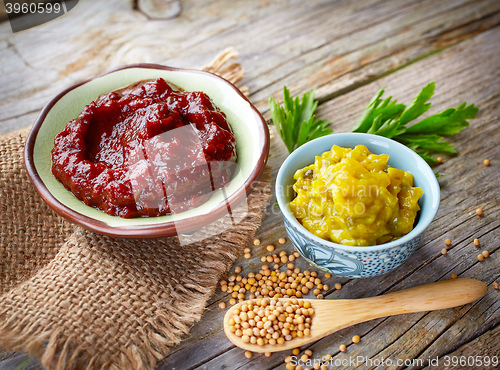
(25, 8)
(470, 361)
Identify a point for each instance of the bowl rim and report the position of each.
(416, 231)
(153, 230)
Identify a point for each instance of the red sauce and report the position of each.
(150, 149)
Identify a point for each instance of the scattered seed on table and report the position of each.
(288, 359)
(247, 255)
(440, 160)
(486, 254)
(270, 248)
(296, 351)
(237, 269)
(304, 358)
(476, 242)
(268, 354)
(222, 305)
(447, 242)
(282, 240)
(328, 276)
(308, 352)
(486, 162)
(444, 251)
(356, 339)
(454, 276)
(256, 241)
(248, 354)
(479, 211)
(338, 286)
(342, 348)
(495, 285)
(247, 250)
(232, 301)
(480, 258)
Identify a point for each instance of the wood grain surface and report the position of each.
(348, 51)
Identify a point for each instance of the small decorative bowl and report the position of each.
(349, 261)
(249, 127)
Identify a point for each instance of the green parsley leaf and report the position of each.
(295, 121)
(388, 119)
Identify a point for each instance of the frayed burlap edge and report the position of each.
(29, 328)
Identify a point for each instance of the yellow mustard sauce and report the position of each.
(353, 197)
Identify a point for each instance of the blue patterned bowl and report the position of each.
(348, 261)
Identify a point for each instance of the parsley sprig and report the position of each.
(295, 121)
(426, 137)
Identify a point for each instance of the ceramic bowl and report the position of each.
(250, 130)
(348, 261)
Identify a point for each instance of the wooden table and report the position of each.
(347, 50)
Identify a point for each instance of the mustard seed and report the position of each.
(338, 286)
(247, 250)
(270, 248)
(222, 305)
(342, 348)
(495, 285)
(247, 255)
(479, 211)
(480, 258)
(268, 354)
(454, 276)
(308, 352)
(282, 240)
(356, 339)
(439, 160)
(237, 269)
(248, 354)
(304, 358)
(447, 242)
(296, 351)
(328, 276)
(476, 242)
(486, 254)
(256, 241)
(444, 251)
(486, 162)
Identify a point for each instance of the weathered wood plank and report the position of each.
(483, 349)
(282, 34)
(466, 180)
(345, 48)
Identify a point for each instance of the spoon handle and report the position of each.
(429, 297)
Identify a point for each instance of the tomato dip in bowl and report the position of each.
(147, 151)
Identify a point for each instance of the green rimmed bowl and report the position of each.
(249, 127)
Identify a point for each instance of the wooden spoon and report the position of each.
(332, 315)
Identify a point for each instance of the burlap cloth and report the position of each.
(78, 299)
